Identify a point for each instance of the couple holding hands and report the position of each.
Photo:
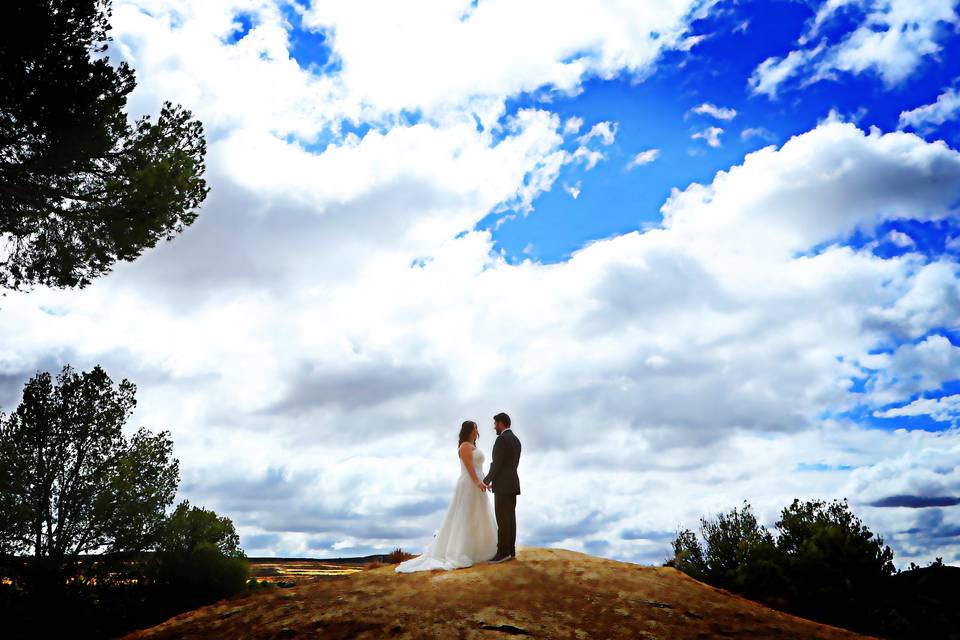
(471, 532)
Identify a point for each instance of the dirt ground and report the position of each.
(545, 593)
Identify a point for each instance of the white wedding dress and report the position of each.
(469, 530)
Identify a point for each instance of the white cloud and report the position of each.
(928, 116)
(643, 157)
(757, 132)
(691, 41)
(441, 53)
(572, 125)
(605, 131)
(900, 239)
(944, 409)
(590, 157)
(761, 198)
(440, 64)
(314, 339)
(913, 368)
(573, 190)
(694, 346)
(932, 300)
(774, 71)
(720, 113)
(892, 40)
(927, 467)
(710, 135)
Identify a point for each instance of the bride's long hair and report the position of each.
(465, 430)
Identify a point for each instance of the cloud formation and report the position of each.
(945, 107)
(314, 340)
(892, 39)
(709, 109)
(643, 157)
(710, 135)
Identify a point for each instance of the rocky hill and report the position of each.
(545, 593)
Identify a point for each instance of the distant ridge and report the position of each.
(381, 557)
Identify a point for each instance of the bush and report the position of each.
(200, 576)
(397, 556)
(925, 602)
(737, 553)
(838, 569)
(823, 564)
(188, 526)
(199, 559)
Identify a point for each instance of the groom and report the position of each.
(505, 483)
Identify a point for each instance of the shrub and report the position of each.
(837, 568)
(737, 552)
(200, 576)
(199, 559)
(823, 564)
(188, 526)
(397, 556)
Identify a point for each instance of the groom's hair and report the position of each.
(502, 418)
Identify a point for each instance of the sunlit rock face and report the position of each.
(545, 593)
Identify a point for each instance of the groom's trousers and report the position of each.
(505, 508)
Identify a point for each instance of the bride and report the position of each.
(469, 531)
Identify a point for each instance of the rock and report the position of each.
(545, 593)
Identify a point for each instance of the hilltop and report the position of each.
(546, 593)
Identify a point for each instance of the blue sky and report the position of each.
(657, 112)
(765, 307)
(654, 113)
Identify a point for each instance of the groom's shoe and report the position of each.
(497, 559)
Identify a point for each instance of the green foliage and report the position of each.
(688, 555)
(199, 559)
(186, 580)
(144, 478)
(187, 527)
(82, 508)
(72, 483)
(80, 186)
(823, 563)
(837, 566)
(737, 554)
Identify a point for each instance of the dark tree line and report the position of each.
(81, 187)
(821, 562)
(83, 525)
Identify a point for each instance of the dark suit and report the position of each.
(506, 488)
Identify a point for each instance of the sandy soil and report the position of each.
(545, 593)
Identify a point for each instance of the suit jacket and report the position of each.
(503, 469)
